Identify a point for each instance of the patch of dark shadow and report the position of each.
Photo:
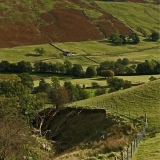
(99, 79)
(32, 55)
(105, 40)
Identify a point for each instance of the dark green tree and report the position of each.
(91, 72)
(154, 36)
(26, 80)
(68, 67)
(77, 71)
(147, 67)
(39, 51)
(117, 39)
(134, 38)
(106, 65)
(4, 66)
(59, 97)
(43, 86)
(100, 91)
(24, 66)
(115, 82)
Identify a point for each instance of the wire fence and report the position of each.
(127, 153)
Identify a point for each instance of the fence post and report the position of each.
(115, 158)
(131, 149)
(135, 144)
(127, 153)
(122, 156)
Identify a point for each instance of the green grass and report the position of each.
(97, 51)
(149, 149)
(138, 16)
(139, 100)
(88, 81)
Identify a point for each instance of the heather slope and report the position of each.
(43, 21)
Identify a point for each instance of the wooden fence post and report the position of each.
(127, 153)
(122, 156)
(131, 149)
(115, 158)
(135, 144)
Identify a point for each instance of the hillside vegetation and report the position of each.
(43, 21)
(143, 18)
(140, 100)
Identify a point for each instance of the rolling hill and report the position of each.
(43, 21)
(139, 100)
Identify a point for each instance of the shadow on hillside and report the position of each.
(99, 79)
(32, 54)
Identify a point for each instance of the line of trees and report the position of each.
(133, 38)
(119, 67)
(123, 67)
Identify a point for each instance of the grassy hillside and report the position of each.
(149, 146)
(43, 21)
(77, 133)
(86, 52)
(141, 17)
(136, 101)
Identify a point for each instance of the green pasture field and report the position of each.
(149, 149)
(86, 53)
(136, 101)
(101, 81)
(141, 17)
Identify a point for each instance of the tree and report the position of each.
(59, 96)
(91, 72)
(43, 86)
(127, 84)
(117, 39)
(28, 103)
(4, 66)
(106, 65)
(39, 51)
(68, 67)
(95, 85)
(77, 71)
(14, 132)
(154, 36)
(125, 61)
(55, 82)
(107, 73)
(134, 38)
(75, 91)
(147, 67)
(24, 66)
(27, 80)
(115, 82)
(100, 91)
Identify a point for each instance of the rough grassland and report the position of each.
(148, 149)
(86, 52)
(143, 18)
(139, 100)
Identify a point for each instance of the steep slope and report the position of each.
(136, 101)
(42, 21)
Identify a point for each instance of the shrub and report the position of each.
(95, 85)
(100, 91)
